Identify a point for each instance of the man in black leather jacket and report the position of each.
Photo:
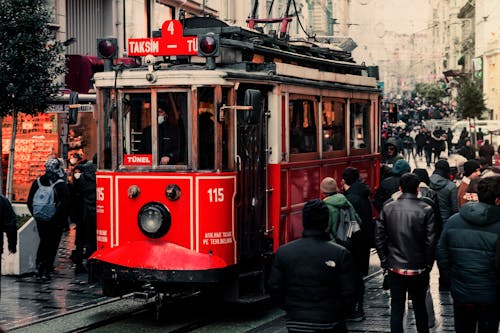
(405, 238)
(313, 279)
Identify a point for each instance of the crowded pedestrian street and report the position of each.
(26, 300)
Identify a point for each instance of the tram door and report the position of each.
(251, 165)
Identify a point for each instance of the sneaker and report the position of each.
(358, 315)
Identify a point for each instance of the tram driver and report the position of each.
(168, 138)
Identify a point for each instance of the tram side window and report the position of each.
(359, 125)
(302, 126)
(333, 125)
(206, 128)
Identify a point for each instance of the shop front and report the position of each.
(44, 136)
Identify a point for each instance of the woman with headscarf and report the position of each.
(50, 232)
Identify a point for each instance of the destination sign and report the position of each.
(171, 43)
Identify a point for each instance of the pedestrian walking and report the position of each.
(405, 238)
(420, 142)
(7, 226)
(487, 151)
(76, 216)
(337, 203)
(447, 193)
(465, 253)
(390, 151)
(313, 279)
(467, 150)
(86, 184)
(391, 184)
(50, 229)
(472, 169)
(358, 194)
(428, 148)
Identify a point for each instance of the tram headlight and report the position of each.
(154, 220)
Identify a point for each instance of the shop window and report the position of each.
(359, 125)
(303, 133)
(333, 121)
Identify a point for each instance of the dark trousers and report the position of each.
(428, 155)
(50, 234)
(469, 316)
(416, 286)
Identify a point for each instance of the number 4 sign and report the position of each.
(171, 43)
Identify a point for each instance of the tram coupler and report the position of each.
(148, 292)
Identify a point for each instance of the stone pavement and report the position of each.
(25, 299)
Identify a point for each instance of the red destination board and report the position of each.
(171, 43)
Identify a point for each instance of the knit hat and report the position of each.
(400, 167)
(315, 215)
(443, 165)
(422, 175)
(54, 165)
(470, 167)
(328, 185)
(350, 175)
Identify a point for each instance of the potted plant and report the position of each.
(24, 260)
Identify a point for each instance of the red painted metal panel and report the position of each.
(159, 255)
(104, 214)
(152, 188)
(216, 228)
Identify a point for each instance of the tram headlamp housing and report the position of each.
(154, 220)
(208, 45)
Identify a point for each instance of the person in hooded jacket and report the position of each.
(391, 184)
(86, 184)
(390, 151)
(312, 278)
(447, 193)
(358, 194)
(465, 253)
(50, 232)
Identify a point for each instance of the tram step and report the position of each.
(251, 299)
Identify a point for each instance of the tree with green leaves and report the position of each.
(431, 92)
(470, 99)
(31, 63)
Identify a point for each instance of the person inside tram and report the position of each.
(168, 138)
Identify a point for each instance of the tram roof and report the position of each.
(279, 59)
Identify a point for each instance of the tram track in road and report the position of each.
(79, 319)
(180, 314)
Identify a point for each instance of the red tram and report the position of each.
(260, 121)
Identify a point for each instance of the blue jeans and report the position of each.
(416, 286)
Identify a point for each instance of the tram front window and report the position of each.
(168, 128)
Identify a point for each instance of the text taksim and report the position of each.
(150, 46)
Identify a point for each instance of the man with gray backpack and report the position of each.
(48, 202)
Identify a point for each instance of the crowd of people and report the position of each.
(450, 217)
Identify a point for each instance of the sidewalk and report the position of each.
(25, 299)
